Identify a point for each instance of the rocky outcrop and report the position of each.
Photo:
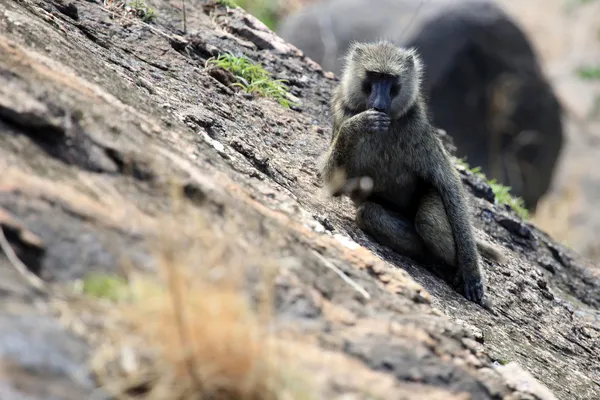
(101, 115)
(484, 84)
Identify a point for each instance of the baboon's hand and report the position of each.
(355, 187)
(471, 285)
(371, 121)
(359, 189)
(377, 121)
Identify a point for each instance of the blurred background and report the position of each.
(516, 83)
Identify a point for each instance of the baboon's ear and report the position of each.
(414, 57)
(356, 51)
(415, 60)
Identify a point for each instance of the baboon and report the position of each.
(389, 159)
(481, 78)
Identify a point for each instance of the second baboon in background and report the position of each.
(394, 166)
(482, 80)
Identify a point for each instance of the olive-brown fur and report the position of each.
(413, 199)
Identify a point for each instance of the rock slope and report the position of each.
(100, 114)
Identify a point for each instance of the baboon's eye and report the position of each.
(366, 86)
(395, 90)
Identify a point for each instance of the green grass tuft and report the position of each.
(252, 77)
(265, 10)
(142, 10)
(589, 73)
(503, 361)
(105, 287)
(228, 3)
(571, 5)
(501, 192)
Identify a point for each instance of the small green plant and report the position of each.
(503, 361)
(228, 3)
(142, 10)
(105, 286)
(589, 73)
(265, 10)
(252, 77)
(501, 192)
(573, 4)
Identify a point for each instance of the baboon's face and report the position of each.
(380, 90)
(381, 76)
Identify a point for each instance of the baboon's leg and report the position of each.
(390, 229)
(432, 225)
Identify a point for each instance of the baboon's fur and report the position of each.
(393, 165)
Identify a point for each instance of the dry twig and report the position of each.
(345, 277)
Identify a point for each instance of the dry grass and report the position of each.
(197, 331)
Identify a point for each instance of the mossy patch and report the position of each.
(501, 192)
(103, 286)
(228, 3)
(252, 77)
(589, 73)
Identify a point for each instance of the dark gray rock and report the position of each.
(41, 361)
(378, 310)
